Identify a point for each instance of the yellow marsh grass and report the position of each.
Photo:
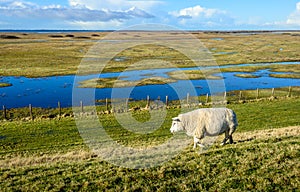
(37, 55)
(114, 82)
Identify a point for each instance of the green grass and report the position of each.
(50, 155)
(263, 165)
(250, 95)
(267, 114)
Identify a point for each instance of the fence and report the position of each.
(118, 106)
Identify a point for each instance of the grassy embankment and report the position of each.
(35, 55)
(50, 155)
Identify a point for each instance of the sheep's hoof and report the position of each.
(201, 145)
(222, 143)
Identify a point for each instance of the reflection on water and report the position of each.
(46, 92)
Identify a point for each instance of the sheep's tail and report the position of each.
(233, 123)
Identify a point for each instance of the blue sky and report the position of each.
(182, 14)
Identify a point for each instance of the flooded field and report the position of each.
(47, 91)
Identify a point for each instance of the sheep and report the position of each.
(206, 122)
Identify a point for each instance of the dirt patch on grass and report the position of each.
(267, 133)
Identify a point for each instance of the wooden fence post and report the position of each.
(207, 97)
(148, 101)
(106, 104)
(167, 101)
(290, 92)
(4, 112)
(126, 103)
(81, 106)
(257, 93)
(187, 98)
(59, 108)
(225, 95)
(30, 112)
(240, 96)
(273, 92)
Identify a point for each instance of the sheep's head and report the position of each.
(176, 125)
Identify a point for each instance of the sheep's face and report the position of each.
(176, 125)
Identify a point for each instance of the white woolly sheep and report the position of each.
(206, 122)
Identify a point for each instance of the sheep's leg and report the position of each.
(197, 142)
(226, 137)
(198, 135)
(230, 139)
(230, 134)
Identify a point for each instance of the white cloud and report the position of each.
(294, 18)
(115, 4)
(81, 13)
(196, 11)
(200, 16)
(10, 4)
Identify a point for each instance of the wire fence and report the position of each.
(107, 106)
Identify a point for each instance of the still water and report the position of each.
(47, 91)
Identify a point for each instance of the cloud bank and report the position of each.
(76, 12)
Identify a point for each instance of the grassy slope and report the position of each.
(264, 165)
(60, 161)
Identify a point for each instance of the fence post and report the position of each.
(126, 103)
(257, 93)
(148, 101)
(59, 108)
(240, 96)
(207, 97)
(290, 92)
(30, 112)
(273, 92)
(4, 112)
(81, 106)
(167, 101)
(106, 104)
(225, 95)
(187, 98)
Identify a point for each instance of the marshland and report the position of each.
(48, 152)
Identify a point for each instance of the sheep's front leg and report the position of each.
(197, 142)
(198, 135)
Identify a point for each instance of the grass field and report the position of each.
(35, 55)
(50, 155)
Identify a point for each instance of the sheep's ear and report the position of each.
(176, 119)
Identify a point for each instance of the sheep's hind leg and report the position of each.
(230, 139)
(230, 135)
(226, 137)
